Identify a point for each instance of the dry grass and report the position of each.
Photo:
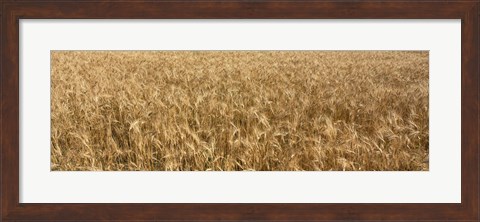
(239, 110)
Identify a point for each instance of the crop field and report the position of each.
(239, 110)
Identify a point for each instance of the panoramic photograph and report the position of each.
(239, 110)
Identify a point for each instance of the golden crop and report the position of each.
(239, 110)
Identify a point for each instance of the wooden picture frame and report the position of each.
(12, 11)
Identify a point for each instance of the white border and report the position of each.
(440, 184)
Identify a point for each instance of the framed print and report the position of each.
(239, 110)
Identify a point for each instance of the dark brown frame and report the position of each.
(11, 11)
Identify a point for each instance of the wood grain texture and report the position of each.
(470, 111)
(1, 107)
(240, 9)
(9, 111)
(12, 11)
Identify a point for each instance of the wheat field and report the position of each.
(239, 110)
